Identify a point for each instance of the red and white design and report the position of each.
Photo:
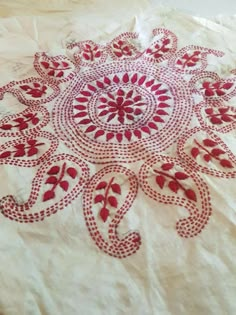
(124, 47)
(56, 69)
(120, 103)
(165, 180)
(212, 87)
(88, 53)
(192, 59)
(32, 91)
(107, 197)
(205, 152)
(221, 117)
(56, 184)
(28, 122)
(28, 152)
(123, 112)
(164, 45)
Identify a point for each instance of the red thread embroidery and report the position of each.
(119, 103)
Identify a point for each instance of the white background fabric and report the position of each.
(54, 267)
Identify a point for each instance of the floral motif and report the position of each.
(120, 103)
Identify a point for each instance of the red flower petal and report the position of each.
(217, 152)
(119, 137)
(158, 119)
(109, 136)
(91, 128)
(116, 79)
(138, 134)
(125, 78)
(142, 80)
(146, 129)
(6, 127)
(134, 78)
(128, 135)
(152, 125)
(99, 133)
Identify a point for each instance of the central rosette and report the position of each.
(123, 106)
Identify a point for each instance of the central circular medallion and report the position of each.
(122, 111)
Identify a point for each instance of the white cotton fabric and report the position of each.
(54, 267)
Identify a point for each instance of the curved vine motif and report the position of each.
(217, 116)
(55, 69)
(205, 152)
(165, 180)
(27, 122)
(56, 184)
(32, 91)
(28, 152)
(192, 59)
(107, 197)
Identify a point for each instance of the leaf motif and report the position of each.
(6, 127)
(32, 151)
(167, 166)
(217, 152)
(226, 163)
(190, 194)
(101, 185)
(216, 120)
(112, 201)
(50, 194)
(160, 180)
(181, 175)
(45, 64)
(226, 118)
(207, 157)
(64, 185)
(116, 188)
(54, 170)
(5, 154)
(209, 143)
(223, 110)
(98, 198)
(71, 171)
(209, 111)
(23, 126)
(104, 213)
(195, 152)
(174, 186)
(51, 180)
(19, 153)
(31, 142)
